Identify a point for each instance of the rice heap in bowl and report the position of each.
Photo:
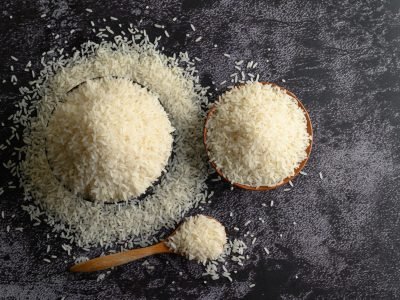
(257, 135)
(49, 198)
(109, 140)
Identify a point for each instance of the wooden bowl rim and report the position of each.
(287, 179)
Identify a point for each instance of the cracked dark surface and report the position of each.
(331, 238)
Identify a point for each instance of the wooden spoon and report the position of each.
(287, 179)
(117, 259)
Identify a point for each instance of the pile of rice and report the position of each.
(257, 135)
(109, 140)
(132, 223)
(199, 237)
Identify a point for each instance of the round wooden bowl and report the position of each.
(287, 179)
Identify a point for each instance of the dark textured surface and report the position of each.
(331, 238)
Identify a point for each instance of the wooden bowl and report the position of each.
(287, 179)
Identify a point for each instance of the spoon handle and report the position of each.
(113, 260)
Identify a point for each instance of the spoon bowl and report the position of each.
(287, 179)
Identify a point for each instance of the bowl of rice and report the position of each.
(258, 136)
(109, 140)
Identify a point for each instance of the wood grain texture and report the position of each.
(118, 259)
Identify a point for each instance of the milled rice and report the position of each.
(182, 96)
(199, 237)
(269, 143)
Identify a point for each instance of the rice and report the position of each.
(233, 252)
(109, 140)
(81, 259)
(81, 222)
(269, 145)
(100, 277)
(199, 237)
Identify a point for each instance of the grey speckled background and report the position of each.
(341, 59)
